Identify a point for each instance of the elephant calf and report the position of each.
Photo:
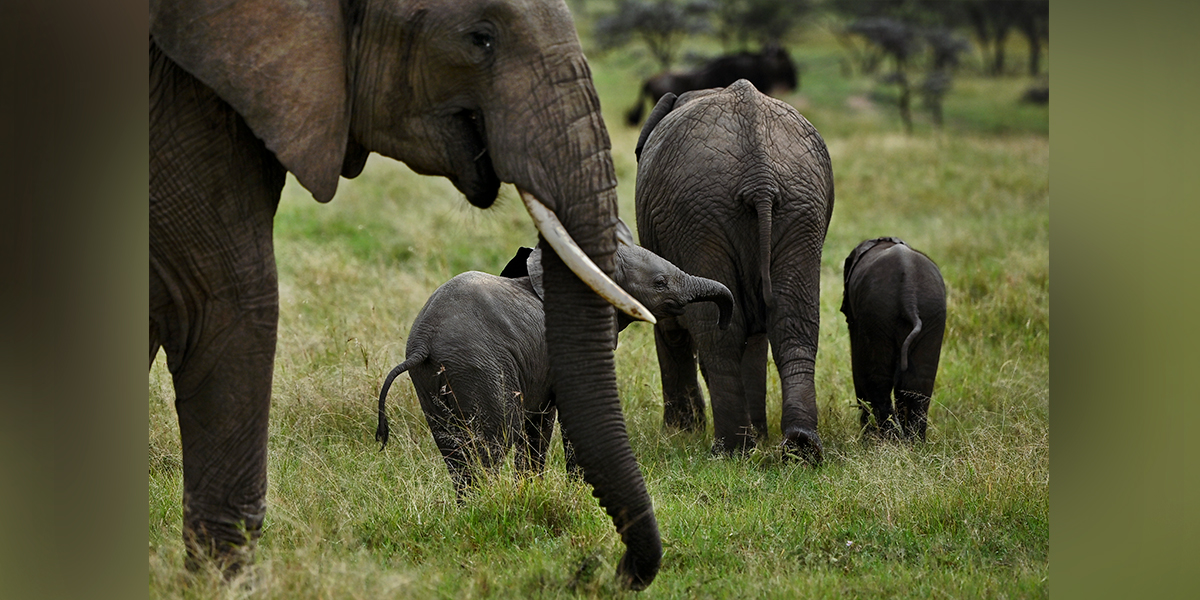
(895, 307)
(478, 360)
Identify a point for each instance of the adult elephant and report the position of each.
(479, 92)
(736, 186)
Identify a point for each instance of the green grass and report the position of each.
(964, 515)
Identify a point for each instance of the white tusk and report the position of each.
(552, 229)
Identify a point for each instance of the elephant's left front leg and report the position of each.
(223, 401)
(220, 350)
(683, 402)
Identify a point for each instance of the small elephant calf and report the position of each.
(895, 307)
(478, 360)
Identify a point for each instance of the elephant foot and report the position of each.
(689, 426)
(888, 432)
(228, 558)
(802, 443)
(683, 420)
(741, 443)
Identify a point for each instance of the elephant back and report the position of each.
(706, 164)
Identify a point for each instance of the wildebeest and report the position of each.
(769, 70)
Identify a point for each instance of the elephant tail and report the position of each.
(909, 301)
(381, 430)
(763, 206)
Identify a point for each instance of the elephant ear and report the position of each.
(518, 265)
(852, 261)
(624, 235)
(855, 255)
(664, 106)
(533, 265)
(280, 64)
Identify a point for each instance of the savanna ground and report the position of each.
(964, 515)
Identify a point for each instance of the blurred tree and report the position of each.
(660, 24)
(892, 37)
(945, 47)
(931, 20)
(992, 20)
(898, 40)
(767, 22)
(902, 42)
(1034, 23)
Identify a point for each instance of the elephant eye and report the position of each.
(483, 40)
(660, 282)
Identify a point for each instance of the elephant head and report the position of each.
(662, 288)
(480, 92)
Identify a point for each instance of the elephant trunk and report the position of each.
(707, 290)
(579, 336)
(569, 170)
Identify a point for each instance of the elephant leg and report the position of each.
(155, 344)
(570, 459)
(754, 382)
(793, 328)
(799, 403)
(223, 400)
(448, 428)
(535, 439)
(721, 356)
(683, 401)
(214, 303)
(874, 362)
(470, 437)
(218, 327)
(914, 387)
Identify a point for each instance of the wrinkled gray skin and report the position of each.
(477, 358)
(736, 186)
(478, 91)
(895, 305)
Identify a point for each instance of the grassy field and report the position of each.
(964, 515)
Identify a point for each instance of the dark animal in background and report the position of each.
(478, 360)
(895, 306)
(770, 70)
(736, 186)
(1038, 94)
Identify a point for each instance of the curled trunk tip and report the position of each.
(708, 290)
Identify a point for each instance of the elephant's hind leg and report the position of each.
(754, 382)
(683, 401)
(874, 366)
(447, 424)
(535, 439)
(914, 387)
(465, 410)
